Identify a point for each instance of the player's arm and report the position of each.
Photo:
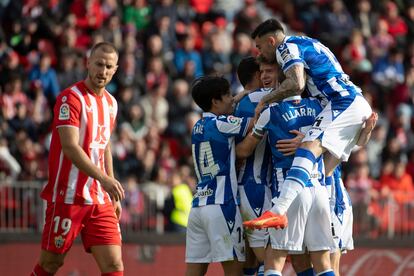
(237, 98)
(246, 147)
(69, 138)
(367, 130)
(292, 85)
(110, 171)
(288, 146)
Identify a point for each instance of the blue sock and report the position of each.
(272, 272)
(260, 269)
(249, 271)
(328, 272)
(307, 272)
(302, 167)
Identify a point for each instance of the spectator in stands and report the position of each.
(177, 205)
(336, 18)
(215, 59)
(365, 19)
(46, 75)
(68, 72)
(398, 184)
(156, 106)
(139, 14)
(135, 125)
(180, 104)
(396, 24)
(361, 190)
(12, 95)
(186, 53)
(355, 54)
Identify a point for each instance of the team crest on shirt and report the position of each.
(64, 112)
(234, 120)
(59, 241)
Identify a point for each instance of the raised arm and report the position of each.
(292, 85)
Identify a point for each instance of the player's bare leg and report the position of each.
(274, 261)
(301, 264)
(196, 269)
(108, 258)
(232, 268)
(321, 261)
(250, 265)
(335, 260)
(50, 262)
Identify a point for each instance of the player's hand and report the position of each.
(113, 188)
(289, 146)
(366, 131)
(117, 208)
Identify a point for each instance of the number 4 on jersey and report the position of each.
(205, 163)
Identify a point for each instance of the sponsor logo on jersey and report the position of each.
(203, 193)
(64, 112)
(59, 241)
(234, 120)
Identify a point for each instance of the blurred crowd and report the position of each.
(164, 45)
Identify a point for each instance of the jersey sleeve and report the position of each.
(260, 127)
(67, 110)
(288, 54)
(232, 126)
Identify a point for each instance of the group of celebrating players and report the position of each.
(269, 169)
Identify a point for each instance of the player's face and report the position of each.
(101, 68)
(266, 45)
(226, 104)
(268, 75)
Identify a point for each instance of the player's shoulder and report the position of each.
(72, 92)
(258, 94)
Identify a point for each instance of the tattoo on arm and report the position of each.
(293, 85)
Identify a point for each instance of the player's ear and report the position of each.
(271, 39)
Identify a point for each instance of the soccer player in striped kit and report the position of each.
(308, 64)
(254, 173)
(214, 230)
(82, 195)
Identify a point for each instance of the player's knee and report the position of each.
(113, 265)
(51, 265)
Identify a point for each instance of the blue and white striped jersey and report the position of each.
(325, 77)
(213, 148)
(277, 120)
(256, 169)
(341, 196)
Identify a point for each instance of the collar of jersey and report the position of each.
(293, 98)
(209, 114)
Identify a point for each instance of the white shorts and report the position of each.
(253, 204)
(214, 234)
(339, 124)
(309, 223)
(342, 224)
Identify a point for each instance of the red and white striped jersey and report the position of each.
(94, 116)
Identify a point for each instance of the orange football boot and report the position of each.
(267, 220)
